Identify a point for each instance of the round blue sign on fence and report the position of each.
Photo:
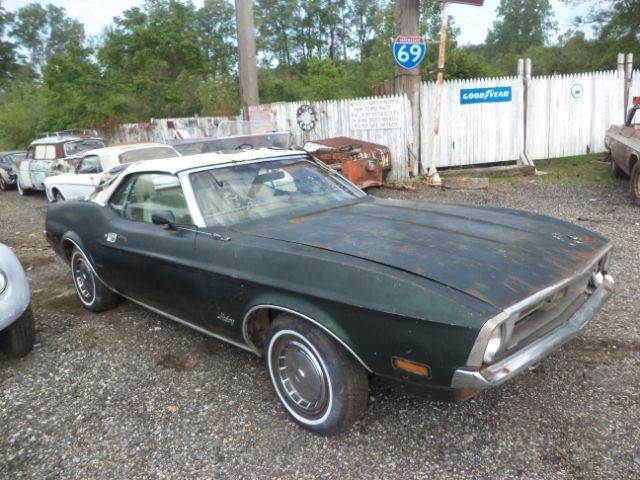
(409, 51)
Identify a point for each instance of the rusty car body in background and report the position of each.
(623, 142)
(364, 163)
(51, 155)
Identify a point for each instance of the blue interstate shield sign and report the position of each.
(409, 51)
(485, 95)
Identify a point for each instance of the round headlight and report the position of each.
(3, 281)
(494, 345)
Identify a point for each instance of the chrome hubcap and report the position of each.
(301, 376)
(84, 280)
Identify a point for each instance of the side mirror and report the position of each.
(165, 218)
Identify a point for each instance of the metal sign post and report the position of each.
(433, 178)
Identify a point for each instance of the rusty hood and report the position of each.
(497, 256)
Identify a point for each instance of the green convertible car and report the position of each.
(275, 253)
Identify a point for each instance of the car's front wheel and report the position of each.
(18, 338)
(320, 385)
(3, 184)
(93, 294)
(635, 184)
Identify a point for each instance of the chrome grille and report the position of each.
(550, 313)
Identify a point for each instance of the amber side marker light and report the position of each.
(412, 367)
(636, 100)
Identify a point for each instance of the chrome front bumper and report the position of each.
(507, 368)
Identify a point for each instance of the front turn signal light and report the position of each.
(412, 367)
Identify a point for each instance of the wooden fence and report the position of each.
(472, 134)
(569, 114)
(545, 117)
(337, 118)
(163, 129)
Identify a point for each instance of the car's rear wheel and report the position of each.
(18, 338)
(635, 184)
(320, 385)
(93, 294)
(616, 171)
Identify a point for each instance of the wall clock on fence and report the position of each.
(306, 117)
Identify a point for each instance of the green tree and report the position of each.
(617, 24)
(217, 32)
(274, 22)
(365, 18)
(521, 24)
(149, 49)
(45, 31)
(21, 108)
(8, 53)
(76, 93)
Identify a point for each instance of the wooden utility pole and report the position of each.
(407, 22)
(247, 56)
(433, 178)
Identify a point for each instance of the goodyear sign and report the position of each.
(485, 95)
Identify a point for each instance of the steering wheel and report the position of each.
(245, 146)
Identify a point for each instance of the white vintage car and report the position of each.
(52, 155)
(17, 329)
(98, 166)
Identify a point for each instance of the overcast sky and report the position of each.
(473, 21)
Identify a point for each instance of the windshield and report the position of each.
(241, 193)
(150, 153)
(79, 146)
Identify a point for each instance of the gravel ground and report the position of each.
(127, 394)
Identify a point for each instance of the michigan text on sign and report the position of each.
(485, 95)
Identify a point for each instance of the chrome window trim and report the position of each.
(301, 155)
(190, 197)
(245, 330)
(476, 355)
(160, 312)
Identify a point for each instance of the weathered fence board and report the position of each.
(333, 119)
(472, 134)
(569, 114)
(158, 129)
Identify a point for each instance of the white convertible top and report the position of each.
(110, 156)
(191, 162)
(174, 166)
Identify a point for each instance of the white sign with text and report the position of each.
(375, 114)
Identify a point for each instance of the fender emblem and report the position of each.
(223, 317)
(111, 237)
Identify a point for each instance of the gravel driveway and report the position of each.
(127, 394)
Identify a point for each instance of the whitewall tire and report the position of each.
(320, 385)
